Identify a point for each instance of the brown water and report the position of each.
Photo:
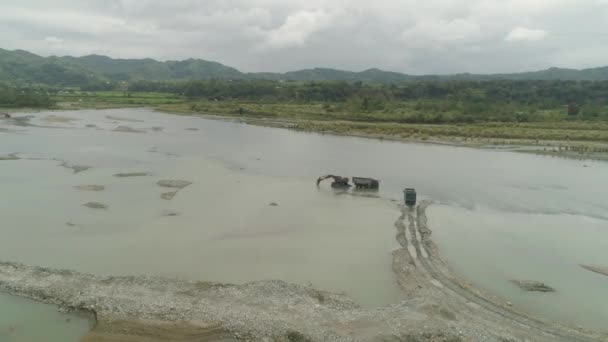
(499, 215)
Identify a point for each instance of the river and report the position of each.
(497, 216)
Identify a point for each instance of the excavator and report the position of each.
(340, 182)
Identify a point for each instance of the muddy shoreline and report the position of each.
(438, 305)
(552, 148)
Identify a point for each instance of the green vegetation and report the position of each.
(18, 98)
(314, 117)
(95, 72)
(113, 99)
(427, 102)
(494, 109)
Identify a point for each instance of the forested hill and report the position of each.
(24, 68)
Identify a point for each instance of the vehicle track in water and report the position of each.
(428, 258)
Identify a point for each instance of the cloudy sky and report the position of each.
(412, 36)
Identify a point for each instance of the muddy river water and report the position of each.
(253, 212)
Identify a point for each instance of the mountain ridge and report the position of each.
(24, 67)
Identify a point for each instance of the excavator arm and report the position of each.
(339, 181)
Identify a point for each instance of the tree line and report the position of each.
(526, 92)
(11, 97)
(431, 101)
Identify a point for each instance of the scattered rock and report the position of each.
(599, 270)
(90, 187)
(177, 184)
(170, 213)
(70, 224)
(169, 195)
(75, 168)
(116, 118)
(127, 129)
(95, 205)
(273, 204)
(80, 168)
(533, 286)
(132, 174)
(91, 126)
(158, 129)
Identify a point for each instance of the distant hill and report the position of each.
(22, 67)
(149, 69)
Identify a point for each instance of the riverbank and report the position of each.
(559, 136)
(438, 306)
(491, 136)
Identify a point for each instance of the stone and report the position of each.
(127, 129)
(533, 286)
(169, 195)
(169, 213)
(95, 205)
(177, 184)
(131, 174)
(90, 187)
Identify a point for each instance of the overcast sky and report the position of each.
(411, 36)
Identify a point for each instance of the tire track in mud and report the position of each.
(425, 247)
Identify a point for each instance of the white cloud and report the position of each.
(522, 34)
(297, 29)
(53, 40)
(431, 36)
(440, 33)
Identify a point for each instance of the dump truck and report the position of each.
(409, 196)
(366, 183)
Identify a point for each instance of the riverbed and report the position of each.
(253, 211)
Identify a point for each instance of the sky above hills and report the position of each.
(410, 36)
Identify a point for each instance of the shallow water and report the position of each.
(25, 321)
(501, 215)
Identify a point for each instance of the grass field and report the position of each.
(315, 117)
(114, 99)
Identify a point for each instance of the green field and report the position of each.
(113, 99)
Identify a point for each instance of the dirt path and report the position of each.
(439, 306)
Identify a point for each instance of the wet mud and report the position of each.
(596, 269)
